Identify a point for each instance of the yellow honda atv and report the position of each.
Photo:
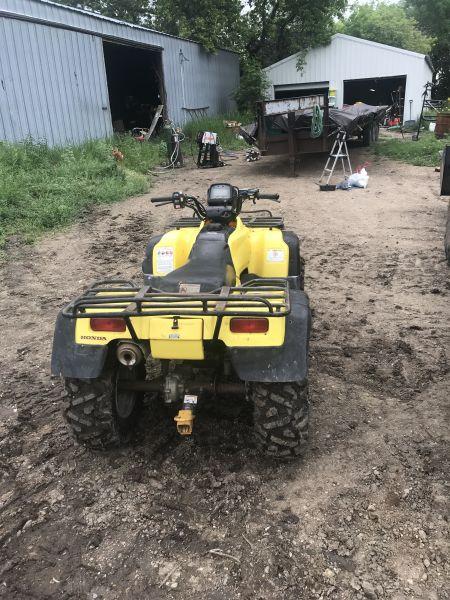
(221, 313)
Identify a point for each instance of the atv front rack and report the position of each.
(121, 298)
(269, 222)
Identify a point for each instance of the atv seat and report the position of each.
(209, 266)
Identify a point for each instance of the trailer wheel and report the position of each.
(281, 418)
(98, 414)
(367, 135)
(375, 131)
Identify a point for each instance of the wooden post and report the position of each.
(156, 118)
(291, 141)
(326, 122)
(262, 134)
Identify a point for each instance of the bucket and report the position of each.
(442, 124)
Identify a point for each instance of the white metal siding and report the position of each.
(53, 84)
(346, 58)
(53, 74)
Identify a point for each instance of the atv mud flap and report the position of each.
(288, 362)
(69, 359)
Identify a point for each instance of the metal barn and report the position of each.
(353, 70)
(68, 75)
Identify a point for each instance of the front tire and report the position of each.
(99, 415)
(281, 418)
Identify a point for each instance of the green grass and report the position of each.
(424, 152)
(44, 188)
(227, 137)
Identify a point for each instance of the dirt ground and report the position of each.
(361, 515)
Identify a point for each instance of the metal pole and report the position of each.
(424, 95)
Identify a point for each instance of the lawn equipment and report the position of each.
(221, 313)
(208, 150)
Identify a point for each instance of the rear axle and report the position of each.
(157, 385)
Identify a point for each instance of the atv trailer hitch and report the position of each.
(186, 415)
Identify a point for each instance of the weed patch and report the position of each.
(424, 152)
(44, 188)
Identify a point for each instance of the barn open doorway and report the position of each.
(135, 84)
(376, 91)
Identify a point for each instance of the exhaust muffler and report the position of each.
(129, 354)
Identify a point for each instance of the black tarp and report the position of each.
(356, 115)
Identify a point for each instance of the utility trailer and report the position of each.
(280, 132)
(286, 126)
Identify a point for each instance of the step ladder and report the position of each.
(339, 151)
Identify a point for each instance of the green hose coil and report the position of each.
(316, 122)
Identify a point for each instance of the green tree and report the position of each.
(433, 17)
(213, 23)
(265, 30)
(133, 11)
(387, 24)
(275, 29)
(253, 86)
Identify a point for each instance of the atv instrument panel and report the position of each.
(223, 194)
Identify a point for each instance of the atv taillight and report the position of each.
(107, 324)
(238, 325)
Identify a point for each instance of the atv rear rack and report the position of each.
(121, 298)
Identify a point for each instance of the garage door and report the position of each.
(376, 91)
(295, 90)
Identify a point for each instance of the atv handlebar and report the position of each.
(254, 194)
(181, 200)
(274, 197)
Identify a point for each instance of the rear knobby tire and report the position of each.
(97, 415)
(301, 273)
(281, 417)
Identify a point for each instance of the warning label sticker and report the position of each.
(189, 288)
(275, 255)
(188, 399)
(164, 259)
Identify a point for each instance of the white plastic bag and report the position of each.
(359, 179)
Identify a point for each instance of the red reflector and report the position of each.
(249, 325)
(107, 324)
